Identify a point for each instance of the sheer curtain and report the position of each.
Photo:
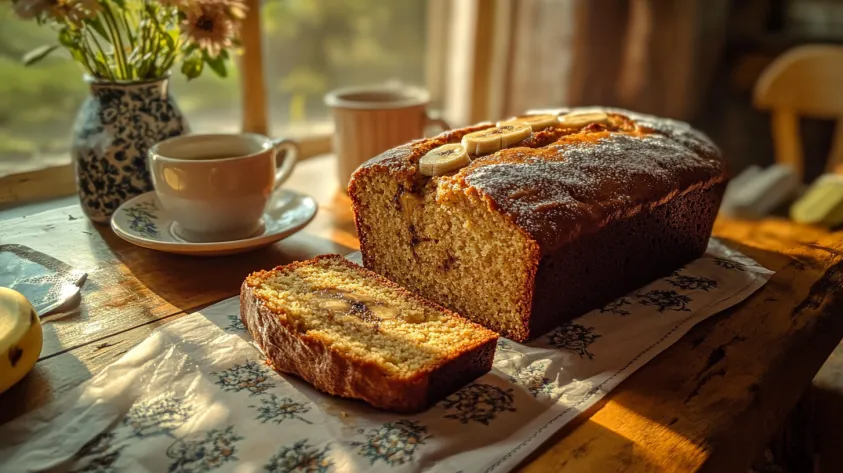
(540, 55)
(654, 56)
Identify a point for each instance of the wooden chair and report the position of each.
(806, 81)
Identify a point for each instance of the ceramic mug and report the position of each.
(370, 120)
(216, 187)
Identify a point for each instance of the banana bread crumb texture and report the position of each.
(351, 333)
(484, 239)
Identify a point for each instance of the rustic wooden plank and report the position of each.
(38, 184)
(826, 412)
(711, 401)
(708, 403)
(55, 375)
(129, 286)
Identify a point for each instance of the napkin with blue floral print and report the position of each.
(197, 396)
(46, 282)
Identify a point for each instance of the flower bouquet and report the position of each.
(127, 49)
(135, 40)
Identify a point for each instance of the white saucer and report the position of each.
(144, 222)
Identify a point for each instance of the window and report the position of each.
(310, 47)
(38, 104)
(313, 46)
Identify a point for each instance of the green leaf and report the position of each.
(171, 38)
(192, 66)
(131, 32)
(101, 61)
(77, 56)
(133, 56)
(96, 24)
(217, 64)
(38, 54)
(164, 42)
(154, 18)
(67, 39)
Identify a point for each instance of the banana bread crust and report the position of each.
(573, 280)
(309, 357)
(648, 188)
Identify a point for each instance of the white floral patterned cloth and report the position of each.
(197, 397)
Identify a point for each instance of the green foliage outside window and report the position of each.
(310, 47)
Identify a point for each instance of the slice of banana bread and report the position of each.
(352, 333)
(529, 222)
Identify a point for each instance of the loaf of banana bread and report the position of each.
(526, 223)
(351, 333)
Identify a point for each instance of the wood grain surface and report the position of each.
(708, 403)
(711, 401)
(129, 286)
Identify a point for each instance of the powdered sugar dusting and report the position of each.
(576, 185)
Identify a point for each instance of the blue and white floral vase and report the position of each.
(115, 127)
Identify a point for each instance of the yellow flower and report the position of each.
(212, 24)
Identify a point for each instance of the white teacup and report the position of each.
(217, 187)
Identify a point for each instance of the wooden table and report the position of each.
(708, 403)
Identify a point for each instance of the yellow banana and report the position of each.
(443, 159)
(20, 337)
(536, 122)
(583, 119)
